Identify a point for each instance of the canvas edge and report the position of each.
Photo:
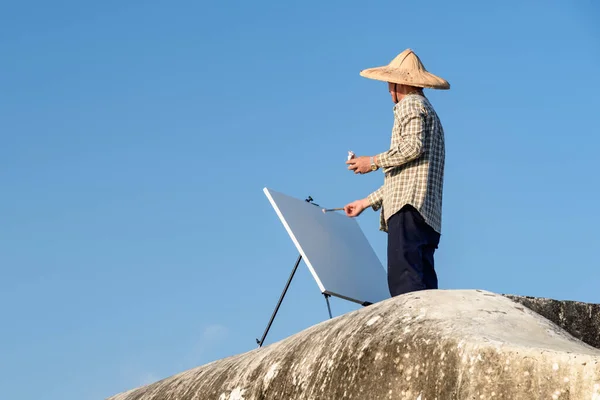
(267, 193)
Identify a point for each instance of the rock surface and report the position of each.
(441, 344)
(581, 320)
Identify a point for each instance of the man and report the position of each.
(410, 198)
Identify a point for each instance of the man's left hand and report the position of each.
(360, 165)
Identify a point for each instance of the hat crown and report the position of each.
(407, 60)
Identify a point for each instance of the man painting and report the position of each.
(410, 198)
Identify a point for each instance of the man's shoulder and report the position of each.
(411, 105)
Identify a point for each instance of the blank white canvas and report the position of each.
(334, 248)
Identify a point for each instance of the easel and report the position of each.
(287, 285)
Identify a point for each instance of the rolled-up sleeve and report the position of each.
(376, 199)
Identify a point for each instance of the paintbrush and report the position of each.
(332, 209)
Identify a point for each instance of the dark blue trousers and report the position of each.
(411, 244)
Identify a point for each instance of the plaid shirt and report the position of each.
(414, 164)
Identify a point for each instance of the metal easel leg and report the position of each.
(287, 285)
(327, 296)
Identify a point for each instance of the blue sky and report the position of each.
(137, 137)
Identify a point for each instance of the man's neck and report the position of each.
(411, 93)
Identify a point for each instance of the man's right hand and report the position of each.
(355, 208)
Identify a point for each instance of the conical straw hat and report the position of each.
(406, 69)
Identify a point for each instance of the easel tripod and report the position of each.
(287, 285)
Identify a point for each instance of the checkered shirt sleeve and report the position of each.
(414, 164)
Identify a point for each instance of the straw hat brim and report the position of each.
(423, 79)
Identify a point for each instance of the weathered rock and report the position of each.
(445, 345)
(581, 320)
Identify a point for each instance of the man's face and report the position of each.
(392, 88)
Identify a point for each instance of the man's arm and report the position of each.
(376, 198)
(412, 119)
